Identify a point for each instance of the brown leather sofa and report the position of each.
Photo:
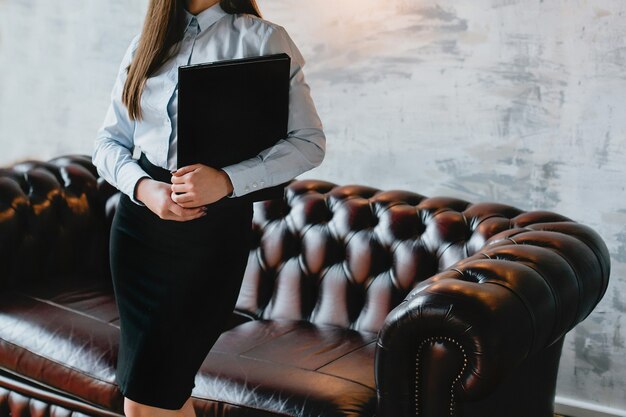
(356, 302)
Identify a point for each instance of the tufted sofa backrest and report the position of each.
(341, 255)
(347, 255)
(53, 225)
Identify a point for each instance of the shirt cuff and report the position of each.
(247, 176)
(130, 174)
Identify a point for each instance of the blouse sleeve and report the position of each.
(305, 145)
(112, 152)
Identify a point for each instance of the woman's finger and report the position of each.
(187, 218)
(184, 218)
(185, 169)
(183, 211)
(178, 180)
(182, 198)
(180, 188)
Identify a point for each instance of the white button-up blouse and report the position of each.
(211, 35)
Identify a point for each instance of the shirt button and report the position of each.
(254, 184)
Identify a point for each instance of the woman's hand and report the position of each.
(156, 196)
(200, 185)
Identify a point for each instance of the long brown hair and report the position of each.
(163, 27)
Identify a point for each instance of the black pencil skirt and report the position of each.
(175, 284)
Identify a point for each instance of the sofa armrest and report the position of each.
(458, 334)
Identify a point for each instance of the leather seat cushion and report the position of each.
(67, 339)
(292, 367)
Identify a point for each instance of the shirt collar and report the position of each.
(206, 17)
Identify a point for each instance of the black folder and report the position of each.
(230, 110)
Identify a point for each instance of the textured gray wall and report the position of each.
(521, 102)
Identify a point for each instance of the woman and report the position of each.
(177, 262)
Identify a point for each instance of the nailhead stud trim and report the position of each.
(456, 379)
